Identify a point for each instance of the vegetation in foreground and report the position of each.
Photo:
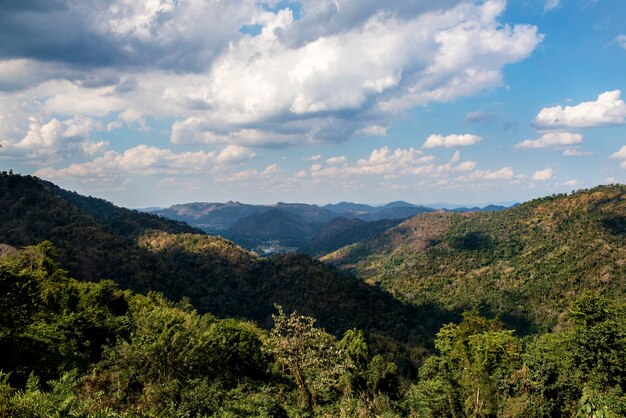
(90, 349)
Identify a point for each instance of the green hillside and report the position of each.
(96, 240)
(343, 231)
(80, 349)
(524, 264)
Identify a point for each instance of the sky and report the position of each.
(157, 102)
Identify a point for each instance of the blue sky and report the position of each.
(161, 102)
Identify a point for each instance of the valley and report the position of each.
(526, 281)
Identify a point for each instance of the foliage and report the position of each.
(310, 354)
(522, 264)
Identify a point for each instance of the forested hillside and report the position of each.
(308, 339)
(524, 264)
(96, 240)
(81, 349)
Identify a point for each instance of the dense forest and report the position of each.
(524, 264)
(109, 312)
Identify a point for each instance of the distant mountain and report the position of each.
(149, 209)
(399, 204)
(395, 212)
(351, 208)
(488, 208)
(210, 216)
(271, 224)
(451, 206)
(343, 231)
(523, 263)
(312, 213)
(247, 224)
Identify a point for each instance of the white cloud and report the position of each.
(551, 140)
(543, 175)
(571, 182)
(384, 64)
(608, 109)
(146, 160)
(434, 141)
(74, 99)
(573, 152)
(373, 130)
(199, 130)
(234, 154)
(336, 160)
(505, 173)
(621, 40)
(54, 140)
(550, 5)
(466, 166)
(271, 170)
(313, 158)
(620, 154)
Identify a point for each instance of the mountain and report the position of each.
(91, 235)
(312, 213)
(488, 208)
(394, 212)
(272, 224)
(398, 204)
(351, 208)
(342, 231)
(143, 252)
(210, 216)
(523, 263)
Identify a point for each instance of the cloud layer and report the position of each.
(297, 81)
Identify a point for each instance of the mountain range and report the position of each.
(298, 226)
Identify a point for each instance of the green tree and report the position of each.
(310, 354)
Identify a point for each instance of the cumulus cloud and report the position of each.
(434, 141)
(49, 142)
(620, 155)
(184, 35)
(551, 140)
(504, 173)
(573, 152)
(621, 40)
(543, 175)
(382, 64)
(335, 71)
(147, 160)
(336, 160)
(608, 109)
(373, 130)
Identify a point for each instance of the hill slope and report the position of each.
(524, 263)
(343, 231)
(271, 224)
(95, 240)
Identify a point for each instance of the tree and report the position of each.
(309, 353)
